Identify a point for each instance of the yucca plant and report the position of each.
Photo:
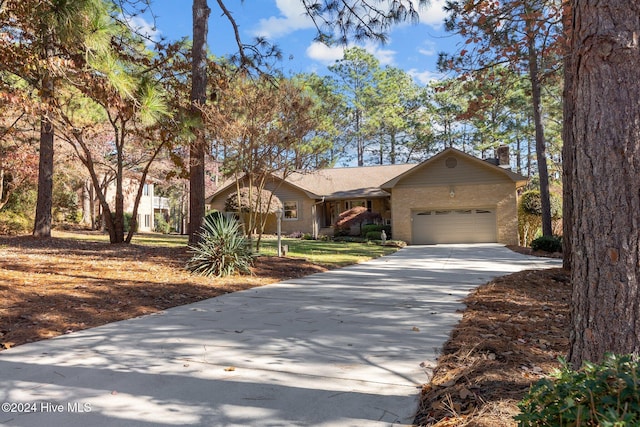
(222, 249)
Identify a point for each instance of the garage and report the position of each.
(454, 226)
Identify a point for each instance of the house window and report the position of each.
(145, 190)
(290, 210)
(147, 221)
(350, 204)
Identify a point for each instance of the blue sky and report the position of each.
(413, 48)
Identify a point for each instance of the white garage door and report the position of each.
(454, 226)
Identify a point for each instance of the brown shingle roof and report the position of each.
(340, 183)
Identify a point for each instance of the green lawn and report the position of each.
(329, 254)
(326, 253)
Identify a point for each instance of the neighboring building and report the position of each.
(148, 207)
(450, 198)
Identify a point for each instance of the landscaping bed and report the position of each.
(512, 332)
(50, 287)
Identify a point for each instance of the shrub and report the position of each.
(530, 214)
(296, 235)
(366, 229)
(127, 217)
(12, 223)
(127, 222)
(547, 243)
(160, 224)
(21, 201)
(65, 204)
(604, 394)
(372, 235)
(222, 249)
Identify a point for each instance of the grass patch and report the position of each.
(326, 253)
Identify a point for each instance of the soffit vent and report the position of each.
(451, 162)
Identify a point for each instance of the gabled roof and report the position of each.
(339, 183)
(342, 183)
(367, 181)
(518, 179)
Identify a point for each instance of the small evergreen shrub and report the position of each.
(160, 224)
(366, 229)
(12, 223)
(530, 214)
(547, 244)
(65, 204)
(373, 235)
(127, 217)
(604, 394)
(371, 227)
(222, 249)
(127, 222)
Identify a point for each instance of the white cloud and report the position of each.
(144, 28)
(424, 77)
(326, 54)
(428, 48)
(329, 54)
(432, 15)
(292, 18)
(385, 56)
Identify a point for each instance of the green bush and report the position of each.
(372, 235)
(160, 224)
(530, 214)
(127, 217)
(547, 243)
(604, 394)
(222, 249)
(22, 201)
(366, 229)
(65, 204)
(531, 203)
(12, 223)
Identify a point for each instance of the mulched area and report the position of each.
(49, 287)
(512, 332)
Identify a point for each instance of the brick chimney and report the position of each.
(503, 157)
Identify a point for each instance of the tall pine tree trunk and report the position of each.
(541, 151)
(198, 98)
(44, 202)
(568, 153)
(605, 126)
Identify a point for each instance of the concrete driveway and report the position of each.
(341, 348)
